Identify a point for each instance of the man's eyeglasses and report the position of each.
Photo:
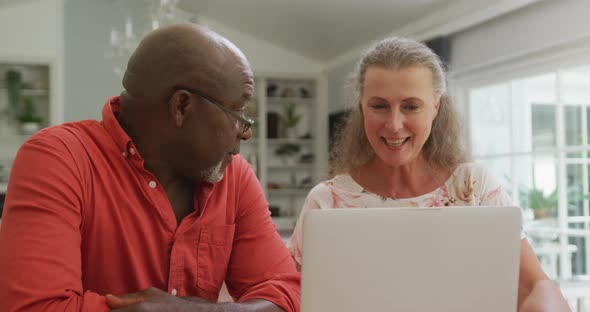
(246, 122)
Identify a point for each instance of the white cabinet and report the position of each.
(288, 148)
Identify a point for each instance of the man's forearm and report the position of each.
(255, 305)
(153, 299)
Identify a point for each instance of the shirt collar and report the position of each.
(109, 119)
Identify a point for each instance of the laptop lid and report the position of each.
(459, 259)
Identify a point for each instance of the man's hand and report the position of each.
(153, 299)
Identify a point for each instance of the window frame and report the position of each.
(554, 60)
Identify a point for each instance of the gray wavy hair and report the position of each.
(443, 148)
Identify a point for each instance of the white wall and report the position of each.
(29, 30)
(340, 88)
(264, 57)
(89, 77)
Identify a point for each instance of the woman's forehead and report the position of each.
(411, 81)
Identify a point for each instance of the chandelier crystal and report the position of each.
(124, 41)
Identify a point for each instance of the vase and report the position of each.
(291, 133)
(28, 128)
(290, 160)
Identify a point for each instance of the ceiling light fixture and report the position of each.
(157, 13)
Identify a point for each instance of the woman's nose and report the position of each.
(395, 121)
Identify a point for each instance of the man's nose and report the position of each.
(246, 135)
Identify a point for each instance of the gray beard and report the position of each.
(213, 174)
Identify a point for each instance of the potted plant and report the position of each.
(29, 121)
(290, 119)
(287, 152)
(543, 206)
(13, 87)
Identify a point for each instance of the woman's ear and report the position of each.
(437, 106)
(179, 107)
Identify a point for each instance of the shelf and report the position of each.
(284, 223)
(291, 167)
(289, 100)
(288, 140)
(279, 141)
(35, 92)
(32, 92)
(288, 192)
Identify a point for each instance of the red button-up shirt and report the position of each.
(83, 219)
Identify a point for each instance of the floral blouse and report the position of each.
(469, 185)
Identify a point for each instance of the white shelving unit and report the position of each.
(286, 183)
(35, 85)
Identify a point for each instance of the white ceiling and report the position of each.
(324, 30)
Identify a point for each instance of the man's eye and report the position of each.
(240, 112)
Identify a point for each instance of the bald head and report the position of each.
(181, 54)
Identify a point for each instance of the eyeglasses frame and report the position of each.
(246, 122)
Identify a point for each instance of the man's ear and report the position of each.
(179, 106)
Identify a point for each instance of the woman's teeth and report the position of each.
(395, 143)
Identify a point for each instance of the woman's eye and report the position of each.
(411, 107)
(379, 106)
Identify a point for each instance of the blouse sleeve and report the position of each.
(491, 191)
(318, 198)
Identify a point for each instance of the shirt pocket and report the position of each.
(213, 252)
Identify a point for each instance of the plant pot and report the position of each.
(291, 133)
(28, 128)
(544, 213)
(290, 160)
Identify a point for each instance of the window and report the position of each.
(533, 134)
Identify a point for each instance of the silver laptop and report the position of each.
(459, 259)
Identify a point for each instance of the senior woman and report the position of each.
(400, 147)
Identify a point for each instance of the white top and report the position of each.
(470, 185)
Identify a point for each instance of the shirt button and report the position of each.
(131, 151)
(152, 184)
(173, 292)
(124, 154)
